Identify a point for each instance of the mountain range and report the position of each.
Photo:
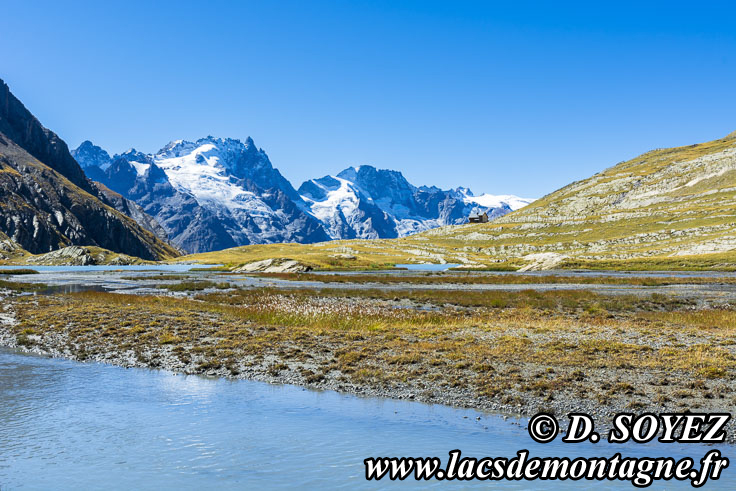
(368, 203)
(218, 193)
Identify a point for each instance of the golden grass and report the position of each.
(20, 286)
(372, 254)
(712, 321)
(560, 300)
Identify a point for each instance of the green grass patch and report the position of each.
(17, 286)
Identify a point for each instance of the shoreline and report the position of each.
(149, 332)
(458, 398)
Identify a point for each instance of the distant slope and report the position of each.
(666, 209)
(49, 204)
(133, 210)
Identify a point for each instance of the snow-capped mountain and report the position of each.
(490, 201)
(217, 193)
(365, 202)
(93, 160)
(210, 194)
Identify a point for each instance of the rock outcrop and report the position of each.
(81, 256)
(276, 265)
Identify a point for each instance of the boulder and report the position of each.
(277, 265)
(67, 256)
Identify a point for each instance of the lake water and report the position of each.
(68, 425)
(131, 279)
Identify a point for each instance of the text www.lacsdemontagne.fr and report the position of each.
(640, 471)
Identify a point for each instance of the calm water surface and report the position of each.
(144, 279)
(68, 425)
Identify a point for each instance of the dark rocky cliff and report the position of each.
(20, 126)
(47, 202)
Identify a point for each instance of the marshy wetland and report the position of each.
(508, 343)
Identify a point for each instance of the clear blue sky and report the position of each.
(512, 97)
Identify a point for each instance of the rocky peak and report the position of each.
(214, 193)
(133, 155)
(365, 202)
(155, 174)
(231, 156)
(379, 183)
(90, 155)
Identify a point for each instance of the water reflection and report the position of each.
(67, 425)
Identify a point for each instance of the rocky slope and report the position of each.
(369, 203)
(133, 210)
(46, 201)
(10, 250)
